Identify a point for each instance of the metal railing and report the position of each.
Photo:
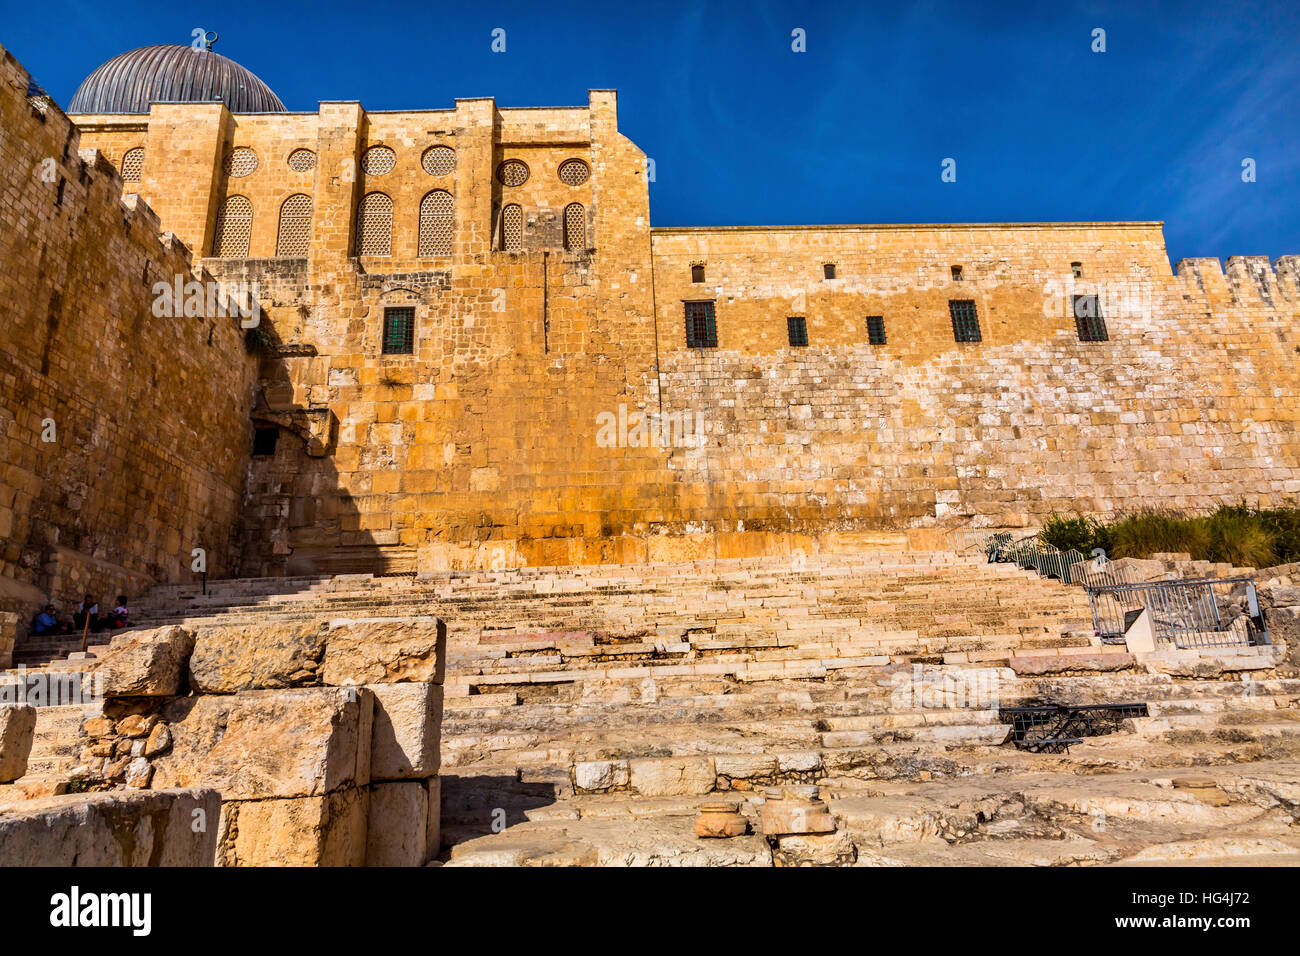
(1204, 612)
(1070, 567)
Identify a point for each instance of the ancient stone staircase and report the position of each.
(593, 709)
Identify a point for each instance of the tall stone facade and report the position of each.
(548, 324)
(125, 436)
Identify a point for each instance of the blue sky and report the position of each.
(744, 130)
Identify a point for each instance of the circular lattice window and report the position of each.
(512, 172)
(378, 160)
(133, 165)
(439, 160)
(240, 162)
(574, 172)
(302, 160)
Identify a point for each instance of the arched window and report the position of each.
(575, 227)
(436, 223)
(294, 237)
(133, 165)
(234, 226)
(375, 225)
(512, 228)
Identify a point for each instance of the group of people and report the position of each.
(48, 621)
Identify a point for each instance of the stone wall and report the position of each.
(126, 436)
(323, 741)
(488, 445)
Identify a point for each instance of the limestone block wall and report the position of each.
(485, 445)
(1191, 401)
(322, 741)
(126, 436)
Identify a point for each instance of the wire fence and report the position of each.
(1189, 613)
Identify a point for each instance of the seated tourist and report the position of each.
(121, 616)
(88, 610)
(47, 622)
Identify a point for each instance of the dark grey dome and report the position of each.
(169, 74)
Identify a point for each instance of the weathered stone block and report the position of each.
(407, 730)
(272, 743)
(672, 776)
(398, 832)
(147, 663)
(385, 650)
(17, 729)
(117, 828)
(254, 657)
(325, 830)
(596, 776)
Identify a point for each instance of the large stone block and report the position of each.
(116, 828)
(256, 657)
(273, 743)
(17, 729)
(398, 833)
(672, 776)
(407, 729)
(385, 651)
(147, 663)
(325, 830)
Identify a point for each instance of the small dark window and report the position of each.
(264, 440)
(876, 329)
(828, 270)
(956, 273)
(1088, 319)
(697, 273)
(701, 328)
(399, 331)
(965, 320)
(797, 328)
(1077, 269)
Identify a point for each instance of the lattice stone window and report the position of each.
(378, 160)
(399, 331)
(574, 172)
(233, 228)
(439, 160)
(240, 162)
(294, 237)
(965, 320)
(133, 165)
(436, 210)
(1088, 320)
(575, 227)
(797, 329)
(512, 172)
(302, 160)
(876, 329)
(701, 326)
(512, 228)
(375, 225)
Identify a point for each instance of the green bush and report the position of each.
(1065, 533)
(1240, 534)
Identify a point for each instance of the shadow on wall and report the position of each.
(297, 518)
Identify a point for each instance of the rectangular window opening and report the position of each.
(876, 329)
(701, 327)
(797, 327)
(399, 331)
(965, 320)
(1088, 319)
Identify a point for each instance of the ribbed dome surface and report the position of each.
(169, 74)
